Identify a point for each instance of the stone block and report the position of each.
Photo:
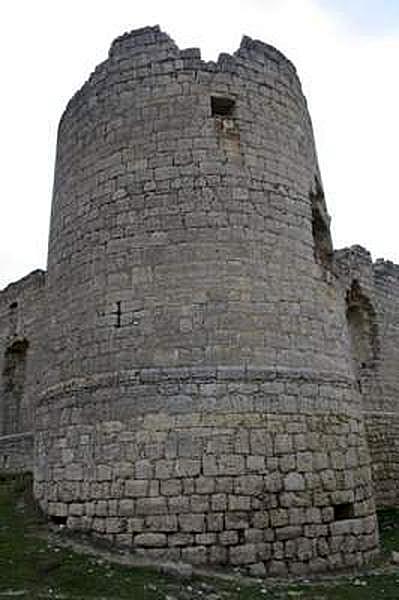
(249, 485)
(126, 507)
(186, 467)
(257, 570)
(288, 533)
(204, 485)
(277, 568)
(236, 520)
(123, 540)
(199, 504)
(273, 482)
(135, 525)
(241, 503)
(76, 509)
(242, 555)
(232, 464)
(254, 536)
(101, 508)
(179, 504)
(196, 555)
(143, 469)
(294, 482)
(279, 517)
(150, 540)
(161, 523)
(136, 488)
(74, 472)
(190, 522)
(170, 487)
(283, 444)
(256, 464)
(228, 538)
(205, 539)
(114, 525)
(219, 502)
(214, 521)
(151, 506)
(165, 469)
(218, 555)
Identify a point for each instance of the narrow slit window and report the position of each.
(222, 106)
(118, 314)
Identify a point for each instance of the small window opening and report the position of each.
(58, 520)
(222, 107)
(226, 126)
(344, 511)
(14, 305)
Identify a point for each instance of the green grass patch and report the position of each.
(389, 530)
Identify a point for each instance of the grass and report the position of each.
(32, 567)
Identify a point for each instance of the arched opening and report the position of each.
(13, 387)
(363, 333)
(322, 243)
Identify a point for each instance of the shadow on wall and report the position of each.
(13, 387)
(363, 333)
(323, 247)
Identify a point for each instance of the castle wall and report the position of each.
(382, 417)
(21, 364)
(377, 375)
(199, 402)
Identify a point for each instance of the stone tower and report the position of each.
(199, 402)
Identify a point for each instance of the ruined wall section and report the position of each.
(383, 414)
(22, 311)
(199, 404)
(372, 297)
(363, 337)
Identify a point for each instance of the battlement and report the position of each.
(141, 49)
(138, 40)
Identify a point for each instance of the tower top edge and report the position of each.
(150, 45)
(138, 39)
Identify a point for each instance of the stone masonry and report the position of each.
(198, 376)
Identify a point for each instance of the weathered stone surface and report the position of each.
(196, 360)
(150, 540)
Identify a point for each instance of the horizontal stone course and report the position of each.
(243, 499)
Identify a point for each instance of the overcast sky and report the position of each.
(346, 53)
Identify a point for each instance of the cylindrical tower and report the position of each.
(200, 404)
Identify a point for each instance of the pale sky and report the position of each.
(346, 53)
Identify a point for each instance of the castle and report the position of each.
(198, 375)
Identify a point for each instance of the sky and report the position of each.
(346, 53)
